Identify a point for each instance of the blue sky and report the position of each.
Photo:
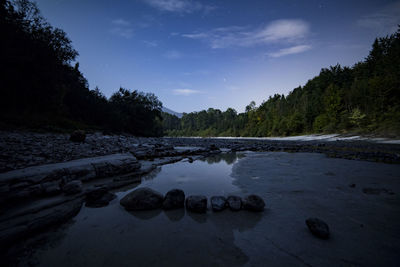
(199, 54)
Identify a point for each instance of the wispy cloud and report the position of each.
(384, 20)
(185, 92)
(290, 50)
(150, 43)
(173, 54)
(121, 22)
(180, 6)
(279, 31)
(122, 28)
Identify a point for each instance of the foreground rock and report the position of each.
(234, 203)
(18, 228)
(45, 179)
(174, 199)
(99, 197)
(196, 204)
(318, 228)
(73, 187)
(218, 203)
(142, 199)
(253, 203)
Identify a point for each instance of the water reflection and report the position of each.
(198, 217)
(125, 238)
(210, 176)
(175, 215)
(228, 158)
(145, 214)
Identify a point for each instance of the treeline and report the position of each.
(363, 99)
(41, 89)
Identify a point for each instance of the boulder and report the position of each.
(234, 203)
(73, 187)
(218, 203)
(318, 227)
(50, 188)
(142, 199)
(253, 203)
(99, 197)
(174, 199)
(196, 204)
(78, 136)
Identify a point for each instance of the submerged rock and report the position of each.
(174, 199)
(196, 204)
(78, 136)
(73, 187)
(218, 203)
(318, 227)
(234, 203)
(253, 203)
(142, 199)
(99, 197)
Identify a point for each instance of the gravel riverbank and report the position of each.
(23, 149)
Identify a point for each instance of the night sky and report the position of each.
(199, 54)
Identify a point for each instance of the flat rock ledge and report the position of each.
(50, 179)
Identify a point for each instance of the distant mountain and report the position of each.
(167, 110)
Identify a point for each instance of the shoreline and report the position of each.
(19, 150)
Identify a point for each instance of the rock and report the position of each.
(73, 187)
(213, 147)
(318, 228)
(234, 203)
(99, 197)
(51, 188)
(20, 227)
(253, 203)
(218, 203)
(352, 185)
(174, 199)
(78, 136)
(142, 199)
(196, 204)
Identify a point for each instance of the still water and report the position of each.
(294, 186)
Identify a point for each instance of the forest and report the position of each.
(43, 88)
(362, 99)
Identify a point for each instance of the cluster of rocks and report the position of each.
(66, 177)
(25, 149)
(347, 149)
(35, 198)
(146, 198)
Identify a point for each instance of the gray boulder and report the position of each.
(218, 203)
(73, 187)
(142, 199)
(174, 199)
(253, 203)
(318, 228)
(196, 204)
(234, 203)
